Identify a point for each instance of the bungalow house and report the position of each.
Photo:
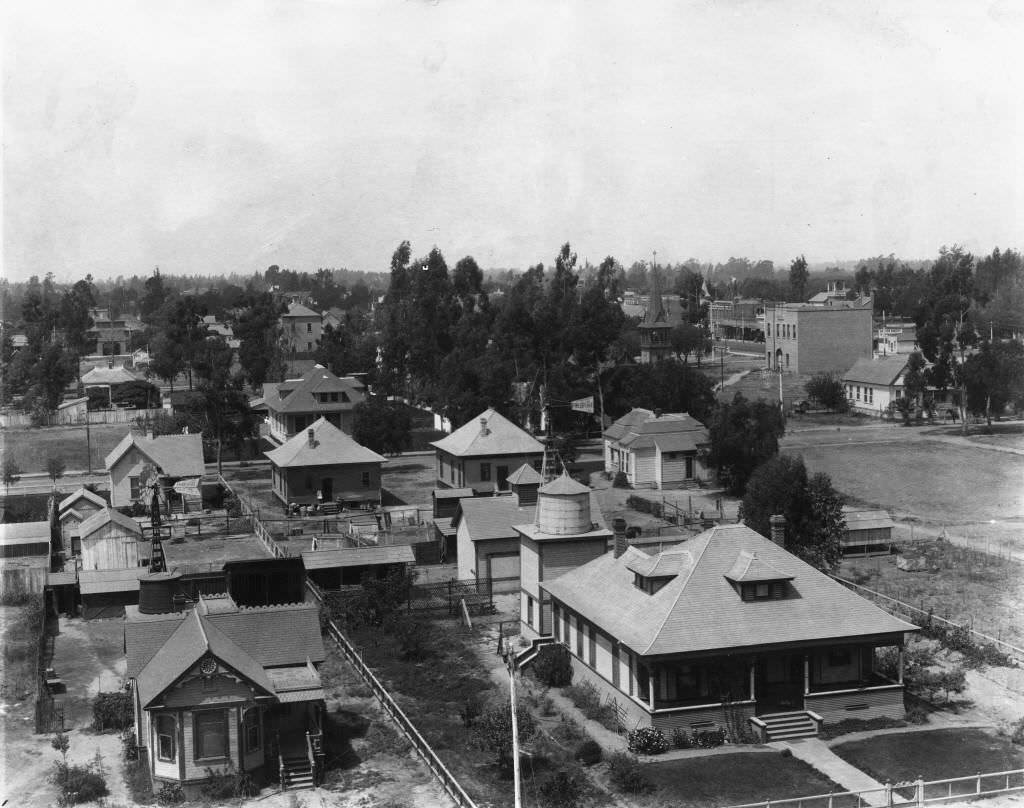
(657, 450)
(567, 531)
(481, 453)
(137, 462)
(874, 385)
(487, 543)
(726, 626)
(74, 509)
(867, 532)
(220, 686)
(323, 464)
(301, 329)
(294, 404)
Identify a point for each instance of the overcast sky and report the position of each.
(209, 137)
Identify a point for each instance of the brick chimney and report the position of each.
(484, 431)
(311, 438)
(619, 529)
(778, 523)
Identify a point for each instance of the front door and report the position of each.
(779, 686)
(327, 489)
(502, 472)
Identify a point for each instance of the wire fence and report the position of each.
(423, 749)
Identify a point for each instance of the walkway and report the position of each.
(850, 778)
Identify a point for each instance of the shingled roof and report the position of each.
(330, 447)
(304, 394)
(670, 432)
(81, 493)
(490, 433)
(173, 455)
(883, 370)
(105, 517)
(700, 611)
(492, 517)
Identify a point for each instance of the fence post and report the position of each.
(977, 784)
(920, 789)
(888, 793)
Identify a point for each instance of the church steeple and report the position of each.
(656, 308)
(654, 330)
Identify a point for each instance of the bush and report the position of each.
(709, 738)
(917, 714)
(129, 745)
(621, 480)
(79, 784)
(561, 790)
(589, 752)
(625, 773)
(1017, 736)
(170, 794)
(553, 666)
(471, 710)
(647, 741)
(587, 698)
(568, 731)
(680, 740)
(228, 784)
(112, 711)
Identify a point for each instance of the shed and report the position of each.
(266, 581)
(868, 532)
(331, 569)
(105, 593)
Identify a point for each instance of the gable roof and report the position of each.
(492, 517)
(173, 455)
(490, 433)
(885, 370)
(104, 517)
(700, 611)
(192, 639)
(302, 394)
(525, 475)
(358, 556)
(866, 520)
(81, 493)
(331, 447)
(670, 432)
(118, 375)
(272, 635)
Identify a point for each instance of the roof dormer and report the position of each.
(753, 578)
(652, 573)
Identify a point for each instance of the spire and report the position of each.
(656, 309)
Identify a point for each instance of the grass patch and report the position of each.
(732, 779)
(931, 754)
(31, 447)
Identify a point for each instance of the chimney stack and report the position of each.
(619, 529)
(483, 427)
(311, 438)
(778, 523)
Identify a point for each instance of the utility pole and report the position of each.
(516, 776)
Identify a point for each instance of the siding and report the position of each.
(861, 704)
(467, 563)
(529, 566)
(644, 467)
(196, 770)
(669, 720)
(636, 715)
(562, 556)
(110, 548)
(302, 483)
(604, 655)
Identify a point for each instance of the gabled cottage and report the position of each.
(726, 626)
(220, 686)
(294, 404)
(138, 461)
(322, 465)
(111, 541)
(481, 453)
(72, 511)
(873, 386)
(657, 450)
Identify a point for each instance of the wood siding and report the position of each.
(301, 484)
(112, 547)
(644, 469)
(560, 557)
(865, 704)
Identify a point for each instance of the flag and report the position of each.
(584, 404)
(704, 293)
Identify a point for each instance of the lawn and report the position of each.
(31, 448)
(932, 754)
(733, 779)
(935, 482)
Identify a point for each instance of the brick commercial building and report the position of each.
(807, 338)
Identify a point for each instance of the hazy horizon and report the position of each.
(211, 138)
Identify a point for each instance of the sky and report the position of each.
(210, 136)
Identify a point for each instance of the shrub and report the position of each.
(625, 773)
(546, 705)
(471, 710)
(621, 480)
(647, 741)
(129, 745)
(79, 784)
(1018, 732)
(680, 740)
(170, 794)
(228, 784)
(112, 711)
(589, 752)
(568, 731)
(917, 714)
(553, 666)
(709, 738)
(561, 789)
(585, 696)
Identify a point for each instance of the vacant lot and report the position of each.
(31, 448)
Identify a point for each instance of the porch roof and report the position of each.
(699, 611)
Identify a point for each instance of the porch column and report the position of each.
(651, 682)
(753, 672)
(900, 665)
(807, 674)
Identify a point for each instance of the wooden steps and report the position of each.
(297, 773)
(786, 726)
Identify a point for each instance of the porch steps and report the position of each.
(785, 726)
(527, 655)
(297, 773)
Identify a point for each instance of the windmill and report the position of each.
(149, 481)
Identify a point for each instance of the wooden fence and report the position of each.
(918, 792)
(439, 770)
(901, 608)
(126, 416)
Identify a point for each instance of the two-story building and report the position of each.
(481, 453)
(294, 404)
(139, 461)
(805, 338)
(301, 330)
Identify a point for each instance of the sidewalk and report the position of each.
(818, 755)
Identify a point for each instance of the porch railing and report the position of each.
(423, 749)
(919, 792)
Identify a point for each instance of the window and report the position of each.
(334, 398)
(309, 328)
(529, 610)
(309, 346)
(166, 732)
(556, 621)
(794, 332)
(135, 484)
(366, 479)
(537, 466)
(210, 734)
(485, 472)
(579, 636)
(252, 729)
(762, 591)
(592, 648)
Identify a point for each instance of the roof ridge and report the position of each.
(682, 588)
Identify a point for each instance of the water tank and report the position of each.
(156, 592)
(563, 507)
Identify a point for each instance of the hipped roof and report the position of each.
(301, 394)
(670, 432)
(500, 437)
(331, 447)
(700, 611)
